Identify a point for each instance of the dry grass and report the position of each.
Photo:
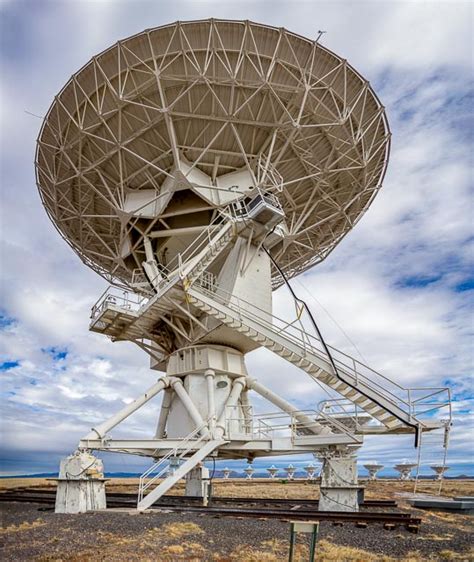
(389, 488)
(178, 530)
(265, 488)
(277, 551)
(114, 547)
(8, 483)
(182, 540)
(25, 526)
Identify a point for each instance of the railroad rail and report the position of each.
(28, 494)
(257, 508)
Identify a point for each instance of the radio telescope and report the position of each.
(197, 167)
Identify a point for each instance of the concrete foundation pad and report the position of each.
(466, 507)
(79, 496)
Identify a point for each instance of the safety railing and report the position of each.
(116, 297)
(185, 446)
(346, 411)
(279, 424)
(178, 268)
(184, 261)
(181, 265)
(416, 402)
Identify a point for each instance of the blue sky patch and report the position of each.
(465, 286)
(7, 365)
(418, 281)
(5, 321)
(56, 353)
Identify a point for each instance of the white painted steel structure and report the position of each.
(220, 108)
(196, 166)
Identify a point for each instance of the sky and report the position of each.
(397, 292)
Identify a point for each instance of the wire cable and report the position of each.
(346, 335)
(328, 353)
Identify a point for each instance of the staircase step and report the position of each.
(363, 401)
(392, 424)
(384, 416)
(326, 377)
(340, 386)
(303, 363)
(375, 410)
(294, 358)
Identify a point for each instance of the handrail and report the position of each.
(309, 344)
(183, 268)
(112, 294)
(262, 427)
(251, 308)
(143, 486)
(184, 262)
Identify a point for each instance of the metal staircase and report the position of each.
(158, 470)
(125, 315)
(392, 405)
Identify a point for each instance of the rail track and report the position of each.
(258, 508)
(29, 494)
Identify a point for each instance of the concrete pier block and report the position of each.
(81, 484)
(197, 482)
(339, 488)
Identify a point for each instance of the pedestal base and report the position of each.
(339, 490)
(197, 482)
(81, 485)
(79, 496)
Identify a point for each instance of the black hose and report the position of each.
(326, 348)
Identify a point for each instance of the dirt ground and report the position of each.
(29, 532)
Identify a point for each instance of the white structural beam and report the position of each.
(163, 418)
(237, 386)
(186, 467)
(189, 404)
(303, 419)
(103, 428)
(211, 404)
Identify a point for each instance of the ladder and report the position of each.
(432, 451)
(383, 399)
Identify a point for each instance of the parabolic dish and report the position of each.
(158, 132)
